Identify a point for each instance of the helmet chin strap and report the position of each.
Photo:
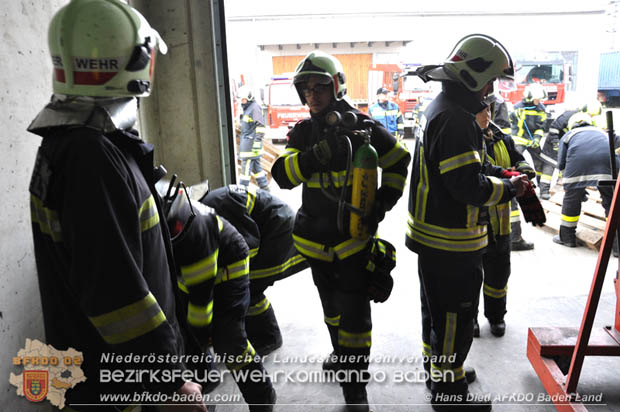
(102, 113)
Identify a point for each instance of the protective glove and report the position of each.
(510, 173)
(533, 211)
(526, 169)
(381, 261)
(327, 149)
(535, 143)
(376, 215)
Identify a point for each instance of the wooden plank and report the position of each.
(270, 154)
(593, 222)
(587, 236)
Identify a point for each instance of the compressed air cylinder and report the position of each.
(365, 164)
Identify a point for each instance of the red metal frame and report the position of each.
(545, 343)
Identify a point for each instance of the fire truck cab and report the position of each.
(283, 107)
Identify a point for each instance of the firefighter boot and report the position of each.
(544, 191)
(331, 363)
(521, 244)
(355, 397)
(498, 327)
(566, 237)
(263, 330)
(470, 376)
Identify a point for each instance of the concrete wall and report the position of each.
(25, 87)
(182, 116)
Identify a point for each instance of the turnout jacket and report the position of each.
(315, 232)
(583, 157)
(389, 115)
(528, 123)
(501, 152)
(266, 224)
(104, 261)
(557, 129)
(209, 252)
(449, 189)
(252, 131)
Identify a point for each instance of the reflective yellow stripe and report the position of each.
(200, 316)
(393, 180)
(129, 322)
(233, 271)
(47, 219)
(457, 161)
(545, 178)
(501, 155)
(220, 224)
(242, 360)
(393, 156)
(247, 118)
(291, 166)
(251, 195)
(275, 270)
(350, 247)
(521, 141)
(451, 245)
(448, 233)
(260, 129)
(148, 214)
(503, 215)
(337, 178)
(422, 189)
(182, 286)
(354, 340)
(426, 349)
(313, 249)
(332, 321)
(449, 335)
(569, 221)
(497, 193)
(459, 373)
(200, 271)
(253, 252)
(259, 308)
(494, 293)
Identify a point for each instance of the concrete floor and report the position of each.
(548, 287)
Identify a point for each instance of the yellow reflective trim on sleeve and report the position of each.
(332, 321)
(350, 247)
(422, 190)
(148, 215)
(493, 292)
(200, 316)
(394, 180)
(200, 271)
(46, 218)
(260, 307)
(521, 141)
(129, 322)
(242, 360)
(247, 118)
(497, 193)
(313, 249)
(393, 156)
(276, 270)
(220, 224)
(457, 161)
(354, 340)
(251, 199)
(233, 271)
(291, 167)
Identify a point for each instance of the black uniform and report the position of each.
(251, 145)
(557, 129)
(583, 159)
(266, 224)
(104, 260)
(448, 216)
(214, 264)
(501, 152)
(337, 260)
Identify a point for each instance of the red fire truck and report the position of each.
(551, 72)
(283, 108)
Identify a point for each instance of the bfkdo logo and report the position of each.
(36, 385)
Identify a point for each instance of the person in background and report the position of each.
(528, 121)
(106, 273)
(251, 143)
(583, 160)
(388, 113)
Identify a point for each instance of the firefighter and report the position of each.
(266, 224)
(528, 120)
(337, 260)
(557, 129)
(501, 152)
(213, 260)
(583, 160)
(252, 134)
(448, 215)
(388, 113)
(103, 256)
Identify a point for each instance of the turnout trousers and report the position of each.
(496, 264)
(450, 292)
